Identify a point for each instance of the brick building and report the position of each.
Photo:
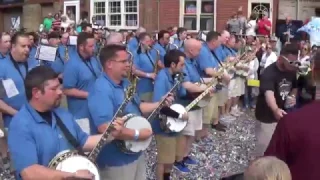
(158, 14)
(25, 13)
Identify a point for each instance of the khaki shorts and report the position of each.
(168, 149)
(146, 97)
(194, 123)
(133, 171)
(222, 97)
(210, 112)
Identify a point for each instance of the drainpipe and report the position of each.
(158, 16)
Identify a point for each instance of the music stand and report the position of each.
(46, 53)
(72, 41)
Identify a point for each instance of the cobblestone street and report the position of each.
(220, 155)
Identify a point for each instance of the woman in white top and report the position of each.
(268, 58)
(304, 53)
(251, 26)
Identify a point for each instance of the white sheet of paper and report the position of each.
(73, 40)
(47, 53)
(10, 88)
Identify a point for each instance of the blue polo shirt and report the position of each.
(58, 64)
(161, 49)
(179, 43)
(104, 100)
(220, 52)
(8, 70)
(162, 85)
(32, 140)
(146, 62)
(133, 44)
(230, 51)
(205, 60)
(80, 74)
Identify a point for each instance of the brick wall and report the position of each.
(169, 12)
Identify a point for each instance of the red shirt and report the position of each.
(296, 141)
(261, 29)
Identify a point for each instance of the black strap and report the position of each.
(153, 64)
(16, 66)
(214, 54)
(199, 71)
(90, 66)
(71, 139)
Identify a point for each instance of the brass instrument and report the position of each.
(131, 76)
(66, 54)
(157, 67)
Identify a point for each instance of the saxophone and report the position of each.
(157, 67)
(131, 76)
(171, 46)
(66, 53)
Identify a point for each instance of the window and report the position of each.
(116, 14)
(197, 15)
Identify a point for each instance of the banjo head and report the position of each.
(76, 163)
(175, 124)
(138, 123)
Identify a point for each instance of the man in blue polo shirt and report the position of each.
(162, 44)
(79, 75)
(104, 100)
(209, 63)
(35, 134)
(145, 62)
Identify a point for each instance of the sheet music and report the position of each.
(47, 53)
(73, 40)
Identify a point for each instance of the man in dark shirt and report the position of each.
(296, 138)
(277, 82)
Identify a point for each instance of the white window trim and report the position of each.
(181, 15)
(123, 13)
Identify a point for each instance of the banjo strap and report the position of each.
(71, 139)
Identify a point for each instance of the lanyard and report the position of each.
(153, 64)
(196, 67)
(90, 67)
(16, 66)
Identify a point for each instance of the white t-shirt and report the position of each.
(251, 28)
(267, 60)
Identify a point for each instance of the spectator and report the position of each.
(47, 22)
(267, 168)
(264, 25)
(251, 26)
(56, 24)
(234, 25)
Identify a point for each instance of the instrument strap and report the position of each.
(150, 59)
(198, 70)
(16, 66)
(218, 60)
(71, 139)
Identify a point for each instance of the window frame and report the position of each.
(123, 14)
(198, 14)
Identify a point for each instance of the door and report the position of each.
(12, 18)
(260, 7)
(72, 7)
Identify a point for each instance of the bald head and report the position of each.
(115, 38)
(192, 48)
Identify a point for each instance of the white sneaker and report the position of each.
(234, 112)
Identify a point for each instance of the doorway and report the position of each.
(12, 18)
(260, 7)
(74, 8)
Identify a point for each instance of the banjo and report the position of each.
(178, 127)
(138, 122)
(73, 161)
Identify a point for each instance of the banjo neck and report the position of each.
(103, 141)
(201, 96)
(162, 103)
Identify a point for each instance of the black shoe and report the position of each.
(219, 127)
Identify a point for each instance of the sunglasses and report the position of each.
(295, 63)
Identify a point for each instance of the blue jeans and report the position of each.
(249, 101)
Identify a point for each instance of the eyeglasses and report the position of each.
(123, 61)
